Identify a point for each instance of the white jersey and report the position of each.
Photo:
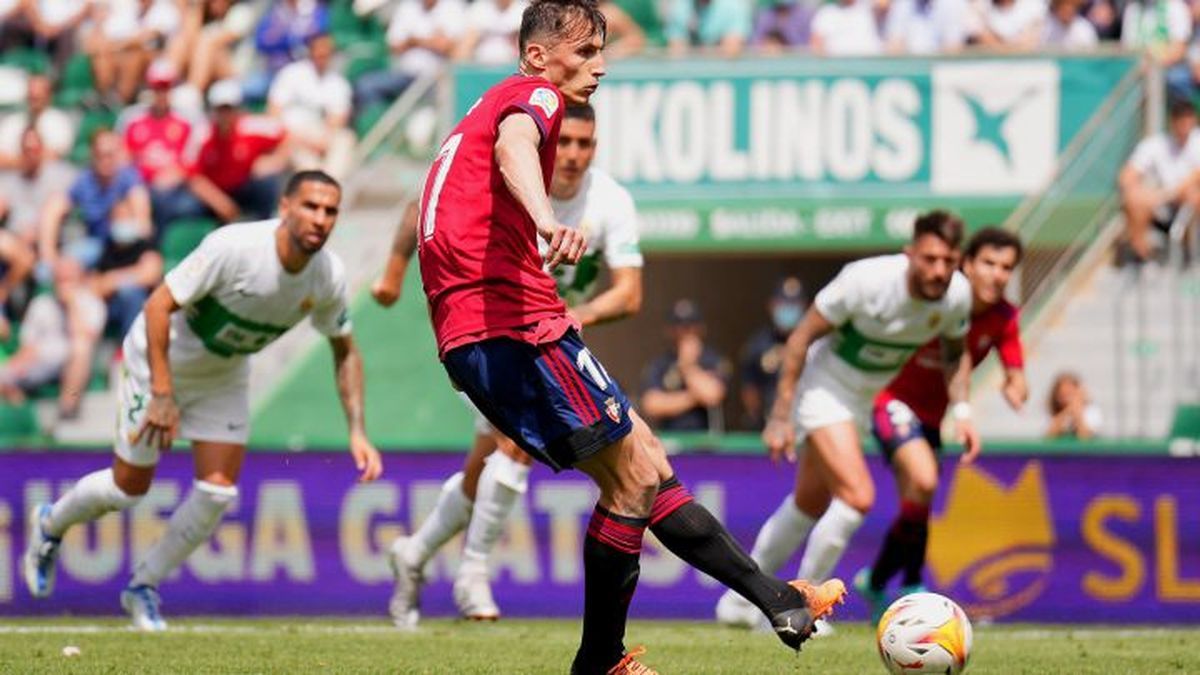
(879, 325)
(605, 213)
(237, 299)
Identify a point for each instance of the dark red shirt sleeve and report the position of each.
(1010, 350)
(536, 98)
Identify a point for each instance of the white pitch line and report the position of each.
(209, 629)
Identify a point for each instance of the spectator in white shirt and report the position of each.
(926, 26)
(847, 28)
(1161, 176)
(492, 27)
(1064, 28)
(48, 25)
(1008, 25)
(313, 101)
(56, 127)
(421, 37)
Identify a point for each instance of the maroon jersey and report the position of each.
(480, 264)
(921, 385)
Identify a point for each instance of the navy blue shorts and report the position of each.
(893, 424)
(554, 400)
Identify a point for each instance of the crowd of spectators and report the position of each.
(123, 122)
(121, 119)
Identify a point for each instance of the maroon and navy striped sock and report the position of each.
(903, 547)
(691, 532)
(610, 564)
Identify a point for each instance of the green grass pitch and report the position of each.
(517, 646)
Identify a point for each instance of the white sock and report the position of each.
(191, 525)
(828, 541)
(781, 535)
(502, 482)
(449, 517)
(93, 496)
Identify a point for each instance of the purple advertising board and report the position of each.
(1037, 538)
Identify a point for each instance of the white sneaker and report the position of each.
(735, 611)
(41, 553)
(141, 603)
(823, 629)
(473, 595)
(405, 606)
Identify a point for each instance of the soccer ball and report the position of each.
(924, 633)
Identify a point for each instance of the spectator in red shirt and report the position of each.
(156, 138)
(239, 168)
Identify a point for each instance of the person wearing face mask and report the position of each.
(907, 416)
(762, 356)
(116, 243)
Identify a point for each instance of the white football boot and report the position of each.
(405, 605)
(142, 603)
(737, 612)
(473, 594)
(41, 553)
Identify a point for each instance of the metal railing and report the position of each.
(1074, 214)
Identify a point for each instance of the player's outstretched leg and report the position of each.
(778, 539)
(93, 496)
(691, 532)
(503, 480)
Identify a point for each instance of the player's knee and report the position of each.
(133, 482)
(219, 497)
(922, 488)
(858, 497)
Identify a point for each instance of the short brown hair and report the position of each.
(559, 18)
(941, 224)
(994, 237)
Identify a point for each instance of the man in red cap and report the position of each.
(157, 138)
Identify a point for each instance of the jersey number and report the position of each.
(588, 364)
(444, 159)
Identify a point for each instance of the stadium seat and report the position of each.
(182, 237)
(368, 61)
(16, 423)
(367, 118)
(29, 60)
(77, 84)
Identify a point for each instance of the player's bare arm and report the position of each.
(162, 413)
(621, 299)
(780, 434)
(387, 288)
(348, 371)
(957, 364)
(517, 156)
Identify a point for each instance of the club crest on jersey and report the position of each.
(934, 320)
(613, 409)
(545, 99)
(306, 304)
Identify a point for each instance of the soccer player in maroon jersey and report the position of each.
(907, 416)
(507, 341)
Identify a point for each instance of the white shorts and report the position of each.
(217, 411)
(822, 401)
(482, 426)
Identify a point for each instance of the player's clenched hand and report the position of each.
(366, 458)
(966, 434)
(161, 424)
(780, 438)
(385, 291)
(567, 246)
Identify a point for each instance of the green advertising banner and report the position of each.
(773, 154)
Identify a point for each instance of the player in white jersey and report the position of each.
(480, 497)
(186, 375)
(859, 332)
